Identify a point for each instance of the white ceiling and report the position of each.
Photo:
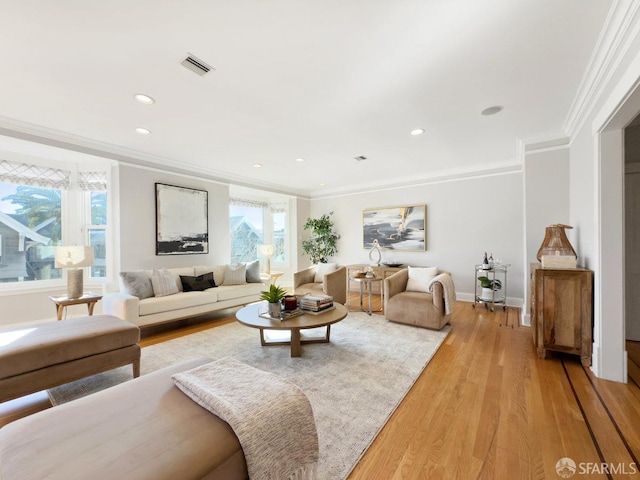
(325, 80)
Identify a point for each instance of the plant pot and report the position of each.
(275, 309)
(489, 295)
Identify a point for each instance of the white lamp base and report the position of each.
(75, 287)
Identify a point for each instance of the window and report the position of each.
(252, 223)
(30, 226)
(246, 225)
(41, 208)
(97, 232)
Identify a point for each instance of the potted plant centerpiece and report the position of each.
(274, 295)
(489, 287)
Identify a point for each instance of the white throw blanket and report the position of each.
(448, 289)
(271, 416)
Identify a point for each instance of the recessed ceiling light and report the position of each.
(143, 131)
(417, 131)
(491, 110)
(323, 184)
(299, 159)
(144, 99)
(360, 158)
(257, 165)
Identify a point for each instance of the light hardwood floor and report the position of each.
(486, 407)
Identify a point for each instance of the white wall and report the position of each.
(596, 189)
(137, 222)
(465, 218)
(546, 184)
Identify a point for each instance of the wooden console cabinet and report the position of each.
(562, 311)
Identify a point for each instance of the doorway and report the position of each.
(632, 246)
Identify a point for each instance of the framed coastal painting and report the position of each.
(396, 228)
(182, 226)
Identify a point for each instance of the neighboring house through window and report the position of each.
(252, 223)
(36, 207)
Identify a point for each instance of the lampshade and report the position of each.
(266, 251)
(74, 257)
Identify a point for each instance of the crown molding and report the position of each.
(543, 142)
(458, 174)
(621, 27)
(57, 139)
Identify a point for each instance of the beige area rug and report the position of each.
(353, 383)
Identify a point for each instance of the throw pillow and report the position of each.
(420, 277)
(235, 274)
(197, 284)
(322, 269)
(137, 284)
(164, 283)
(253, 272)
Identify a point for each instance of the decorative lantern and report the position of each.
(556, 242)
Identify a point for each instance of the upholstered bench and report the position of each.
(141, 429)
(40, 356)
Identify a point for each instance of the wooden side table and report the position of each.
(61, 302)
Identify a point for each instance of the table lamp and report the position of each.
(73, 259)
(267, 252)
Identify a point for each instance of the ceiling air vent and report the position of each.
(360, 158)
(196, 65)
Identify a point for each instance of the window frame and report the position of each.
(75, 230)
(268, 211)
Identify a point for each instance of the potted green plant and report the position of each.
(489, 286)
(322, 243)
(274, 295)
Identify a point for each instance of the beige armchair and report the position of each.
(334, 283)
(415, 308)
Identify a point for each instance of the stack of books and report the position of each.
(316, 303)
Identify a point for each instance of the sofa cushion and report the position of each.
(137, 283)
(235, 274)
(197, 284)
(322, 269)
(229, 292)
(218, 272)
(253, 272)
(181, 271)
(420, 278)
(181, 300)
(163, 283)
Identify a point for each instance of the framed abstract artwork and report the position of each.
(182, 220)
(396, 228)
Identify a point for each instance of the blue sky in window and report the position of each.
(253, 215)
(7, 189)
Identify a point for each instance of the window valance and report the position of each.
(47, 177)
(245, 202)
(92, 181)
(26, 174)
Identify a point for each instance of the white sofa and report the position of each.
(155, 310)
